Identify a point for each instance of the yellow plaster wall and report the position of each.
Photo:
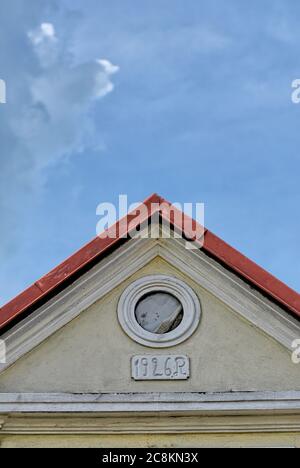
(92, 353)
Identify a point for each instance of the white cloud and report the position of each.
(103, 84)
(48, 30)
(108, 67)
(48, 119)
(45, 43)
(101, 89)
(57, 123)
(45, 32)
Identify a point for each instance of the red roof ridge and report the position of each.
(100, 245)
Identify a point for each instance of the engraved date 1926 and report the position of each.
(163, 367)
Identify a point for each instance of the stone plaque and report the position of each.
(163, 367)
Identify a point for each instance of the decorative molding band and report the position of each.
(86, 425)
(150, 413)
(174, 403)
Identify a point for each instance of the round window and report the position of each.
(159, 311)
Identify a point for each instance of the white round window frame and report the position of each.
(159, 283)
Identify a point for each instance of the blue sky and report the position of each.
(188, 99)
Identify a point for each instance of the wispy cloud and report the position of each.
(49, 117)
(60, 98)
(108, 67)
(45, 32)
(45, 43)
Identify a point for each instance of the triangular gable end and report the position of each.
(91, 253)
(72, 348)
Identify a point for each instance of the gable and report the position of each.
(153, 208)
(233, 349)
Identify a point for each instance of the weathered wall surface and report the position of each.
(160, 440)
(92, 353)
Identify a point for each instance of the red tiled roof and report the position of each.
(97, 248)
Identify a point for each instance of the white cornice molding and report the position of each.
(127, 260)
(137, 413)
(169, 403)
